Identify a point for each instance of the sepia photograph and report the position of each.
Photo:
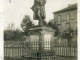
(40, 30)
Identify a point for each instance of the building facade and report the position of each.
(66, 18)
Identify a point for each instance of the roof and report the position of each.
(74, 6)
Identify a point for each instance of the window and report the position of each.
(68, 16)
(59, 18)
(67, 26)
(59, 27)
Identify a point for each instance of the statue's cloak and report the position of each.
(39, 6)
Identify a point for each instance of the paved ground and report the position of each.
(47, 58)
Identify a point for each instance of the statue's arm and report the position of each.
(33, 5)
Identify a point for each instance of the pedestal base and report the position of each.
(41, 39)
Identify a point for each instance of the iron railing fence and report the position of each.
(26, 50)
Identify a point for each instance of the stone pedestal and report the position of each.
(42, 38)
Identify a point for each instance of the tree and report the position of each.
(8, 34)
(13, 34)
(10, 26)
(54, 26)
(26, 24)
(69, 35)
(44, 22)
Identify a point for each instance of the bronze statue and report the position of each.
(39, 10)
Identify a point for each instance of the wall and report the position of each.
(72, 21)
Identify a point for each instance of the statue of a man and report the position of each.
(39, 10)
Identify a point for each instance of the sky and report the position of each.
(15, 10)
